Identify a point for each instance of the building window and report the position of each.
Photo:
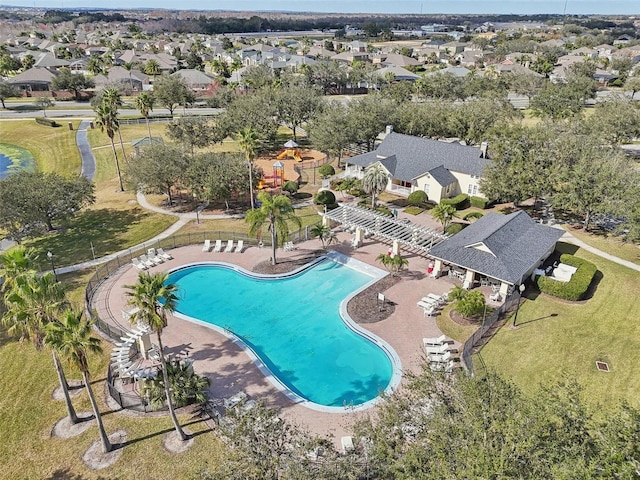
(426, 188)
(472, 190)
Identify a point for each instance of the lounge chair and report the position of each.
(138, 264)
(434, 341)
(347, 444)
(154, 257)
(229, 247)
(234, 400)
(207, 246)
(439, 358)
(239, 246)
(145, 261)
(436, 349)
(164, 254)
(218, 246)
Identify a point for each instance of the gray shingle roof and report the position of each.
(415, 156)
(515, 243)
(441, 175)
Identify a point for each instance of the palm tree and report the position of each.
(443, 213)
(276, 212)
(144, 103)
(107, 120)
(128, 66)
(112, 96)
(152, 67)
(71, 337)
(154, 298)
(248, 141)
(393, 263)
(15, 262)
(324, 233)
(374, 181)
(32, 302)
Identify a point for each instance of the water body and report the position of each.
(14, 158)
(294, 326)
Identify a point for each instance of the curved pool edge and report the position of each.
(337, 257)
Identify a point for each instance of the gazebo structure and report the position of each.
(400, 232)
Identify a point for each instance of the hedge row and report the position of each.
(459, 202)
(479, 202)
(576, 288)
(47, 121)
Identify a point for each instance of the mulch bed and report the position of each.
(465, 322)
(287, 265)
(365, 307)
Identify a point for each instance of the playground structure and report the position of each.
(290, 150)
(274, 180)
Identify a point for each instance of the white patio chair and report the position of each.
(207, 246)
(229, 247)
(239, 246)
(218, 246)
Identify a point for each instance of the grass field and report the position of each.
(555, 336)
(608, 243)
(54, 149)
(28, 414)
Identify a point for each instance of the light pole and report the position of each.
(251, 182)
(515, 317)
(53, 268)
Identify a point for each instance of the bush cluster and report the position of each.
(49, 122)
(326, 170)
(473, 216)
(479, 202)
(459, 202)
(454, 228)
(576, 288)
(325, 197)
(417, 198)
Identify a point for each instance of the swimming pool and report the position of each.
(293, 325)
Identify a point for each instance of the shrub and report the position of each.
(454, 228)
(459, 202)
(479, 202)
(417, 198)
(576, 288)
(49, 122)
(325, 197)
(291, 187)
(473, 216)
(326, 170)
(357, 192)
(413, 210)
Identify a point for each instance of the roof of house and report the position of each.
(398, 73)
(194, 77)
(416, 156)
(504, 247)
(34, 75)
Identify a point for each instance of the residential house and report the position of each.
(36, 79)
(440, 169)
(134, 79)
(398, 73)
(500, 249)
(196, 80)
(396, 60)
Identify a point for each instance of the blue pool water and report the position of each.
(293, 325)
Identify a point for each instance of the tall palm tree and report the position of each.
(128, 66)
(112, 96)
(71, 337)
(154, 298)
(107, 120)
(248, 141)
(32, 302)
(275, 212)
(144, 103)
(374, 181)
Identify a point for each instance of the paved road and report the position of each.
(88, 160)
(76, 111)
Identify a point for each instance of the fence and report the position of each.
(130, 401)
(487, 324)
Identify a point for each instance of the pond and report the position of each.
(14, 158)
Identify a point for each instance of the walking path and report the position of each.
(88, 160)
(567, 237)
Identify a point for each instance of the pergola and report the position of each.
(370, 223)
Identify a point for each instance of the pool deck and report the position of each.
(231, 370)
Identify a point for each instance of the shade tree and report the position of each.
(171, 91)
(71, 82)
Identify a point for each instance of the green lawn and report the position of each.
(608, 243)
(28, 413)
(555, 336)
(54, 149)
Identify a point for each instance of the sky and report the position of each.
(609, 7)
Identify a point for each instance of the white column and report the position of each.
(359, 237)
(468, 279)
(395, 248)
(326, 221)
(437, 268)
(144, 344)
(504, 289)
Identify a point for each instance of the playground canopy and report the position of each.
(290, 144)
